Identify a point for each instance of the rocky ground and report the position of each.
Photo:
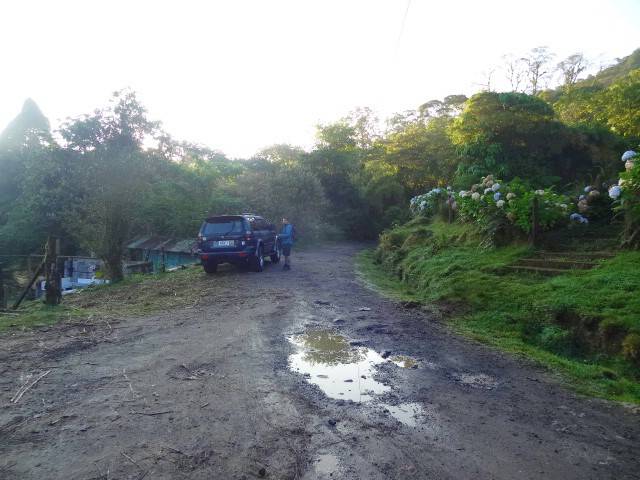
(292, 375)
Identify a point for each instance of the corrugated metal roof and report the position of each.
(155, 242)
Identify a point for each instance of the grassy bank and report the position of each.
(581, 324)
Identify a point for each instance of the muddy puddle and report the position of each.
(340, 370)
(403, 361)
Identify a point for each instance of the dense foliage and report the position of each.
(107, 176)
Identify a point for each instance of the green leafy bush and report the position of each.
(627, 195)
(631, 348)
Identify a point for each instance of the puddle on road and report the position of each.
(410, 414)
(480, 380)
(340, 370)
(326, 464)
(403, 361)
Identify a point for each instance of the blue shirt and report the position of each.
(286, 234)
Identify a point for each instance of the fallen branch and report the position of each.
(22, 390)
(151, 413)
(131, 460)
(179, 452)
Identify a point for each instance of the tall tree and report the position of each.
(112, 177)
(509, 134)
(515, 69)
(571, 68)
(28, 135)
(538, 63)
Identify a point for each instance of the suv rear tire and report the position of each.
(258, 260)
(210, 268)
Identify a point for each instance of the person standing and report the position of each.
(287, 237)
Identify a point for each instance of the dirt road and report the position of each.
(302, 374)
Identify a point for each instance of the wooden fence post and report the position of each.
(52, 293)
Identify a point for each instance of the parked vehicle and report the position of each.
(243, 240)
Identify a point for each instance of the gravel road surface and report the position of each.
(305, 374)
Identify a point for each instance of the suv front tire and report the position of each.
(258, 260)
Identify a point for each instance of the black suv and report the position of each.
(239, 239)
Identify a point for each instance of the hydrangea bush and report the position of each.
(493, 200)
(627, 198)
(493, 204)
(429, 204)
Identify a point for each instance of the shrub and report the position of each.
(631, 348)
(627, 195)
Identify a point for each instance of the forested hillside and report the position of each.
(530, 241)
(102, 178)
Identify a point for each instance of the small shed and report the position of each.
(160, 251)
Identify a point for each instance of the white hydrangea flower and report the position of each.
(476, 196)
(615, 192)
(628, 155)
(500, 203)
(539, 192)
(495, 187)
(487, 190)
(511, 196)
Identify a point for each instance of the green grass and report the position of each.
(521, 313)
(137, 295)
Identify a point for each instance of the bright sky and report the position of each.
(242, 75)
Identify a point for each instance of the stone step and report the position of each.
(549, 272)
(580, 256)
(555, 263)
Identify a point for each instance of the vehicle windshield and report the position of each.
(222, 227)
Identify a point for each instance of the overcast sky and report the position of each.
(242, 75)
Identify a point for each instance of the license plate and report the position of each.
(224, 243)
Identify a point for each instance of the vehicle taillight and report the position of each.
(201, 238)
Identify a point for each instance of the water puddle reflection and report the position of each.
(410, 414)
(403, 361)
(340, 370)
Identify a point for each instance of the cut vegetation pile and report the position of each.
(136, 295)
(583, 322)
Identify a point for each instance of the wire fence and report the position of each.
(15, 274)
(19, 270)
